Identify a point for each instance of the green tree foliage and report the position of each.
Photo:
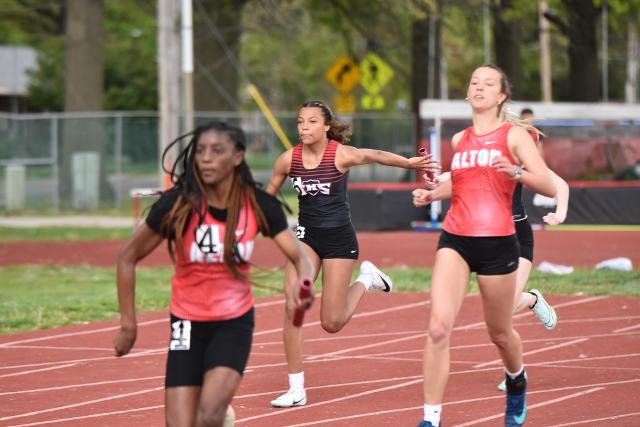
(130, 48)
(286, 46)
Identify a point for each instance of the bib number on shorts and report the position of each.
(180, 335)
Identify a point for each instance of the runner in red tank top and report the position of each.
(533, 299)
(479, 237)
(210, 220)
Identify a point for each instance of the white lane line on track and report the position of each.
(338, 399)
(84, 417)
(34, 371)
(596, 421)
(90, 359)
(357, 315)
(458, 402)
(334, 337)
(538, 350)
(77, 333)
(54, 347)
(529, 407)
(319, 387)
(458, 328)
(87, 402)
(628, 328)
(99, 383)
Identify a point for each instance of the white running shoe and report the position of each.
(293, 397)
(543, 311)
(503, 385)
(380, 281)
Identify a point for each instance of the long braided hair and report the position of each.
(192, 197)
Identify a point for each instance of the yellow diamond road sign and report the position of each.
(344, 74)
(375, 73)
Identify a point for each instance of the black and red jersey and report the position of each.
(322, 191)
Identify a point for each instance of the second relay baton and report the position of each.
(305, 292)
(423, 152)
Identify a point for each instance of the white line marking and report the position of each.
(338, 399)
(539, 350)
(91, 359)
(319, 387)
(33, 371)
(88, 402)
(78, 333)
(537, 405)
(103, 414)
(38, 390)
(447, 404)
(596, 420)
(628, 328)
(357, 315)
(362, 347)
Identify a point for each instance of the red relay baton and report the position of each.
(423, 152)
(305, 292)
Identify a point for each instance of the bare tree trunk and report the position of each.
(507, 40)
(545, 53)
(84, 88)
(217, 28)
(583, 50)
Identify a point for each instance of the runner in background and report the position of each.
(318, 167)
(210, 219)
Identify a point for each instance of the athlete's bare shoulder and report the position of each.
(456, 138)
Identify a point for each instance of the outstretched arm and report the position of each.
(562, 201)
(143, 242)
(280, 171)
(348, 156)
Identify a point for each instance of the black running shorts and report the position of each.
(196, 347)
(525, 238)
(339, 242)
(488, 256)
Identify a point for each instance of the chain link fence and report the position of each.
(90, 161)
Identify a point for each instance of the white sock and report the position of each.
(432, 414)
(296, 381)
(365, 279)
(514, 376)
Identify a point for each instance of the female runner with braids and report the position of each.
(479, 236)
(318, 167)
(210, 219)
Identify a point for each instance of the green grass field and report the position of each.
(38, 297)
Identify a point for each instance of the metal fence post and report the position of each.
(118, 160)
(55, 181)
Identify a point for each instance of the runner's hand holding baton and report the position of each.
(304, 294)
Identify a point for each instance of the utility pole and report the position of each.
(545, 53)
(486, 21)
(631, 85)
(168, 79)
(605, 52)
(187, 65)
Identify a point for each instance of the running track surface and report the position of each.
(386, 249)
(585, 372)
